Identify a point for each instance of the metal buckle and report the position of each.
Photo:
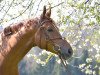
(57, 48)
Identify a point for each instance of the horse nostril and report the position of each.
(69, 52)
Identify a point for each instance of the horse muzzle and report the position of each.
(63, 51)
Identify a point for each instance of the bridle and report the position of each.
(49, 40)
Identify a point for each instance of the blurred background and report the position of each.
(77, 20)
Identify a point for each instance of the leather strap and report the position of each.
(39, 37)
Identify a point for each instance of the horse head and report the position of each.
(48, 37)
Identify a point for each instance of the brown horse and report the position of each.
(17, 39)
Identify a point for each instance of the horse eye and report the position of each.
(50, 30)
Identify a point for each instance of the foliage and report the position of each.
(79, 22)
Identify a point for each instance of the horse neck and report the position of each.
(16, 43)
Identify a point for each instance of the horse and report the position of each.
(17, 39)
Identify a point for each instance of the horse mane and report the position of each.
(9, 30)
(15, 27)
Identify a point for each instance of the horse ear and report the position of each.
(48, 13)
(44, 12)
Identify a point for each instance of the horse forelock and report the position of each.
(54, 24)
